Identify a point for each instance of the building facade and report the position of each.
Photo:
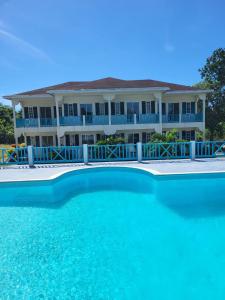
(75, 113)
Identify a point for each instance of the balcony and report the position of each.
(21, 123)
(185, 118)
(104, 120)
(192, 117)
(171, 118)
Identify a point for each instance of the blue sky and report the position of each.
(53, 41)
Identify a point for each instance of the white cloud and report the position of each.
(24, 45)
(168, 47)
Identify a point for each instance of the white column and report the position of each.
(39, 116)
(139, 151)
(109, 98)
(180, 111)
(57, 100)
(203, 98)
(109, 110)
(192, 150)
(85, 153)
(30, 156)
(159, 100)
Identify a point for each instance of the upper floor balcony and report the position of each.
(108, 120)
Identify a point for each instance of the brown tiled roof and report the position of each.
(110, 83)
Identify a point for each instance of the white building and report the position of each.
(73, 113)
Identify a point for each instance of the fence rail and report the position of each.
(121, 152)
(166, 151)
(112, 152)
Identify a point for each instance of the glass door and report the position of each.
(86, 110)
(132, 108)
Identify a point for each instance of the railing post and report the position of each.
(139, 151)
(85, 153)
(84, 121)
(192, 150)
(30, 156)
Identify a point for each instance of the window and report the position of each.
(173, 108)
(188, 135)
(87, 139)
(148, 107)
(60, 111)
(163, 108)
(33, 141)
(47, 141)
(72, 139)
(132, 108)
(30, 112)
(188, 108)
(133, 138)
(146, 137)
(46, 112)
(101, 109)
(86, 109)
(70, 110)
(117, 108)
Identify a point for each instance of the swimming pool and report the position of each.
(113, 233)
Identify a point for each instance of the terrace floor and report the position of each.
(48, 172)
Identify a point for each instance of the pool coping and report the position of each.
(76, 167)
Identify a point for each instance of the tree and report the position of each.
(6, 124)
(213, 76)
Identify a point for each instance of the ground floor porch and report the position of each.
(79, 138)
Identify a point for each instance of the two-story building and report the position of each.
(74, 113)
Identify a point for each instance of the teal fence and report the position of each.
(166, 150)
(13, 156)
(210, 149)
(112, 152)
(61, 154)
(122, 152)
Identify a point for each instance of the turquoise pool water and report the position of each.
(113, 234)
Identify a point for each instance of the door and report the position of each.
(86, 110)
(132, 108)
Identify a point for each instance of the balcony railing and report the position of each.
(170, 118)
(48, 122)
(20, 123)
(192, 117)
(104, 120)
(71, 121)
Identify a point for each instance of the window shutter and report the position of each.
(144, 137)
(76, 140)
(26, 112)
(183, 135)
(143, 107)
(163, 108)
(97, 109)
(153, 107)
(106, 108)
(35, 112)
(122, 108)
(75, 109)
(193, 107)
(192, 135)
(113, 108)
(37, 141)
(183, 107)
(66, 110)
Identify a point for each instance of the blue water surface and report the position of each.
(113, 233)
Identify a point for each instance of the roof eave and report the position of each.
(188, 92)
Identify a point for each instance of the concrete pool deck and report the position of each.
(47, 172)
